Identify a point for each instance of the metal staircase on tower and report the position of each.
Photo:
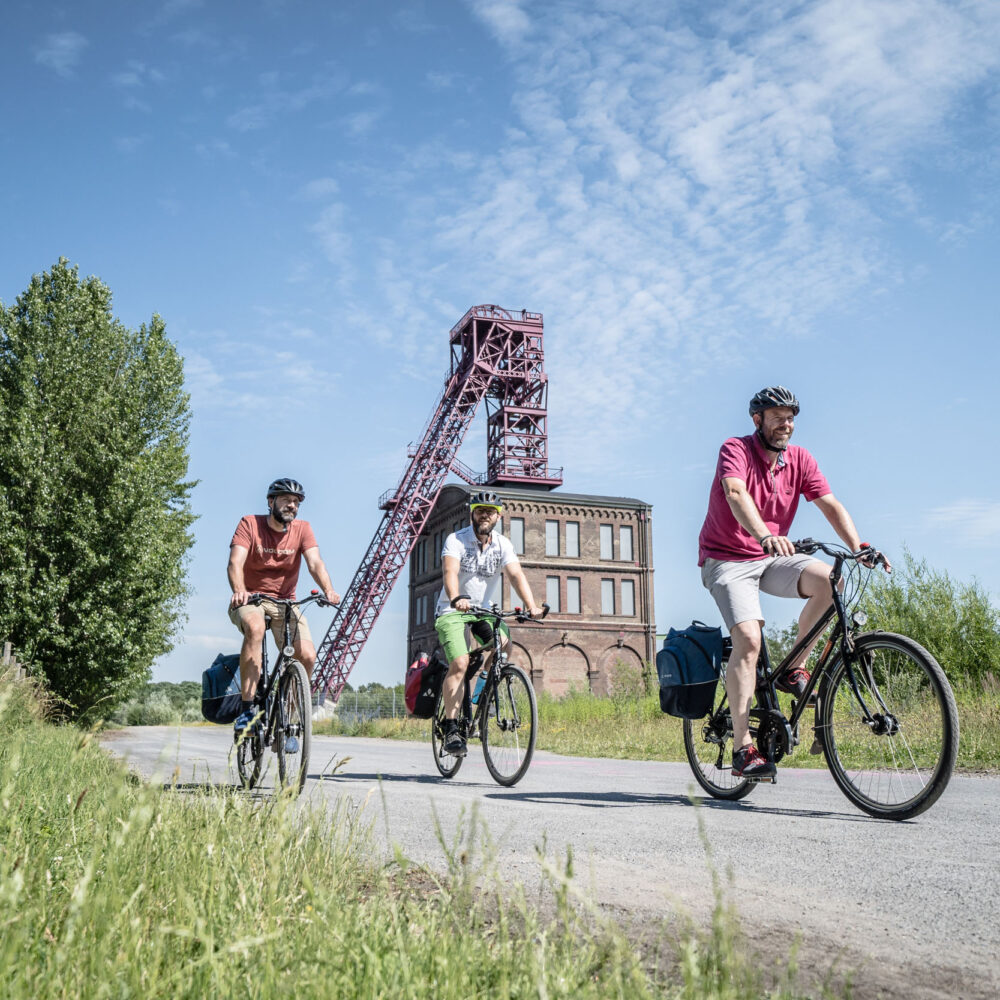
(497, 356)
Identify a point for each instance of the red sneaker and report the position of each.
(793, 682)
(748, 762)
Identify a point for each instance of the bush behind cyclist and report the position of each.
(472, 560)
(744, 548)
(265, 555)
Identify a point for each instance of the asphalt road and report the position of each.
(909, 909)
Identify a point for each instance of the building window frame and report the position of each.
(607, 535)
(625, 531)
(628, 604)
(573, 590)
(552, 594)
(607, 596)
(551, 537)
(573, 539)
(517, 534)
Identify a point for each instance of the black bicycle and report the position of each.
(284, 709)
(885, 716)
(504, 715)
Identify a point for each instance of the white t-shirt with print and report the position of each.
(478, 569)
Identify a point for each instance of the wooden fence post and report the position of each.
(10, 660)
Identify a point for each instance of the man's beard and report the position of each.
(769, 442)
(282, 517)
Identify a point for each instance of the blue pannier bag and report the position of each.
(688, 667)
(220, 689)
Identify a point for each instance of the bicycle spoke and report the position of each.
(897, 763)
(509, 726)
(293, 728)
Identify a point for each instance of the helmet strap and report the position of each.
(767, 444)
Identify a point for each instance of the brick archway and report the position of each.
(617, 664)
(519, 654)
(564, 667)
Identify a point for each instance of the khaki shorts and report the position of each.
(299, 629)
(736, 586)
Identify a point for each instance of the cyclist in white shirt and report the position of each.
(472, 559)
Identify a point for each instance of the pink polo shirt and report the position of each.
(776, 495)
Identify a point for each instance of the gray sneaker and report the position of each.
(454, 741)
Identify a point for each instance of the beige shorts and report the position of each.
(736, 586)
(276, 612)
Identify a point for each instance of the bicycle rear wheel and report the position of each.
(446, 763)
(708, 743)
(293, 742)
(898, 766)
(249, 756)
(510, 724)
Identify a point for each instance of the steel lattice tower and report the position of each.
(498, 356)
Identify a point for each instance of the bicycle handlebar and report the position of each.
(518, 613)
(316, 596)
(867, 553)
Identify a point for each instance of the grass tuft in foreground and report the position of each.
(110, 887)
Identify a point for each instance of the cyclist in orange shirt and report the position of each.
(264, 558)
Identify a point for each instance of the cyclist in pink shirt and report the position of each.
(744, 548)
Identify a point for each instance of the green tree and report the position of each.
(955, 621)
(94, 511)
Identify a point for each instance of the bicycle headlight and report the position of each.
(289, 651)
(860, 618)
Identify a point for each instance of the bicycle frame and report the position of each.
(273, 710)
(475, 719)
(841, 640)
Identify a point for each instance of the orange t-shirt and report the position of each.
(272, 567)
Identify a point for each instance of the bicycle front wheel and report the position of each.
(446, 763)
(708, 743)
(896, 764)
(510, 724)
(249, 755)
(293, 729)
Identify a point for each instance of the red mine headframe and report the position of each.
(498, 356)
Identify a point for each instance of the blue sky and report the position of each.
(700, 198)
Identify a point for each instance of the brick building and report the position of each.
(589, 557)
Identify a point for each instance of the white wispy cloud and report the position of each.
(276, 99)
(321, 187)
(976, 521)
(674, 189)
(61, 52)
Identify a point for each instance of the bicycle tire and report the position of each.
(249, 757)
(296, 705)
(708, 743)
(446, 763)
(890, 774)
(509, 728)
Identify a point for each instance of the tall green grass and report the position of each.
(633, 727)
(114, 888)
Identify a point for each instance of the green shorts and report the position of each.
(451, 628)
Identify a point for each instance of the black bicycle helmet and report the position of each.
(487, 498)
(292, 486)
(774, 395)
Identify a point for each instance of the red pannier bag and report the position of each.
(423, 682)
